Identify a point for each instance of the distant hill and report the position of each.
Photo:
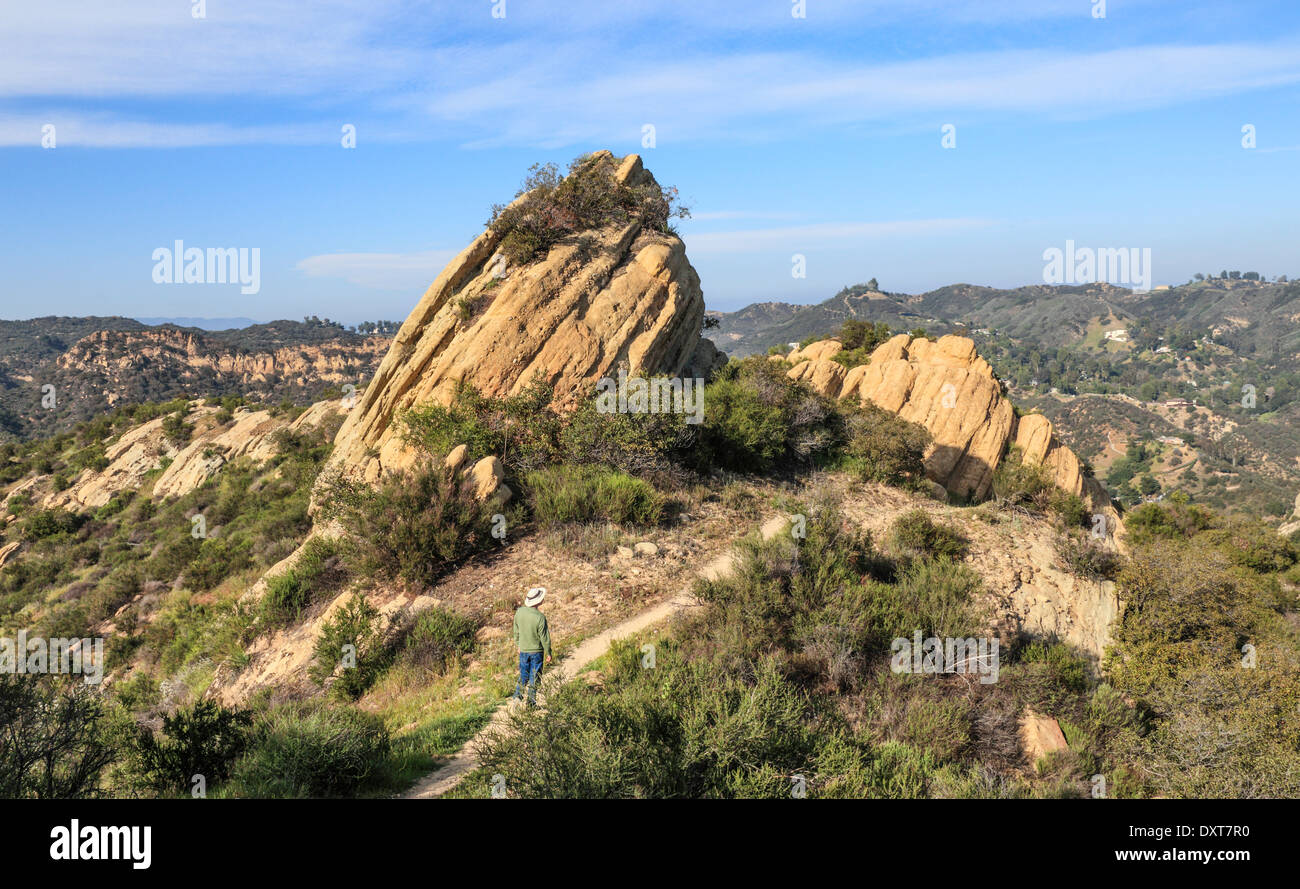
(99, 362)
(1256, 319)
(756, 328)
(201, 323)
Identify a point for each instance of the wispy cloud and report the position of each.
(573, 73)
(380, 271)
(109, 131)
(764, 94)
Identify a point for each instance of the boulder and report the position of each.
(456, 459)
(823, 375)
(820, 350)
(1040, 735)
(1038, 444)
(486, 476)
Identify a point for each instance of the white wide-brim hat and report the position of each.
(535, 595)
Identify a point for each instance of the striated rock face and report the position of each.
(625, 297)
(947, 388)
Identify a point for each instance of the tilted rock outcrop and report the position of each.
(946, 387)
(144, 448)
(619, 296)
(252, 435)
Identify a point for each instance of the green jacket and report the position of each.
(531, 632)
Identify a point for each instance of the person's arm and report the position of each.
(545, 633)
(514, 633)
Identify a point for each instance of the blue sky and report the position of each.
(819, 136)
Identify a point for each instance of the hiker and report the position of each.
(533, 637)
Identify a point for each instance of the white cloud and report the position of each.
(380, 271)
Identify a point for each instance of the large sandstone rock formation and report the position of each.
(947, 388)
(627, 296)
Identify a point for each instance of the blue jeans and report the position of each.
(530, 667)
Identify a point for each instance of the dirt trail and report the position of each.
(454, 770)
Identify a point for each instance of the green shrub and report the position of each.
(937, 597)
(435, 638)
(218, 558)
(349, 650)
(40, 524)
(117, 588)
(1088, 559)
(311, 750)
(176, 430)
(860, 339)
(290, 592)
(414, 526)
(681, 730)
(1029, 485)
(1168, 520)
(884, 448)
(568, 493)
(204, 739)
(646, 445)
(756, 420)
(56, 742)
(1016, 482)
(1254, 545)
(549, 208)
(521, 430)
(1050, 676)
(173, 554)
(914, 533)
